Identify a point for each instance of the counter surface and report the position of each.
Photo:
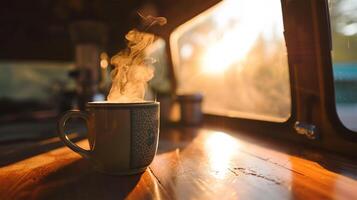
(192, 163)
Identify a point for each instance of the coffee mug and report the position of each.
(123, 137)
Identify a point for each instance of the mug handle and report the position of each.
(62, 125)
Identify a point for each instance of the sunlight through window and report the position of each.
(235, 55)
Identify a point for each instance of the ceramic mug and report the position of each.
(123, 137)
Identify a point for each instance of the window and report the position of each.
(235, 59)
(31, 80)
(343, 18)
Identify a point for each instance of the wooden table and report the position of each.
(192, 163)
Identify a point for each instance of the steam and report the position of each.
(151, 20)
(132, 70)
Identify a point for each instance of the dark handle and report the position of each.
(62, 125)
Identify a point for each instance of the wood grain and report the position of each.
(191, 164)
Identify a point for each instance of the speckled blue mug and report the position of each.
(123, 137)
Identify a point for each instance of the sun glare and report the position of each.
(236, 32)
(220, 148)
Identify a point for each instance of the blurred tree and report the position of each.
(344, 30)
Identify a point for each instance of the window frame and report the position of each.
(308, 38)
(317, 43)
